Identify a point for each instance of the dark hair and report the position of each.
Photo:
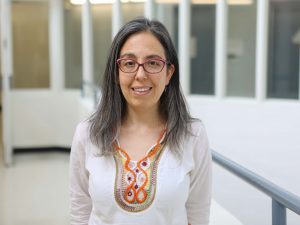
(105, 122)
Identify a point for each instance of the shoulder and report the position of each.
(197, 139)
(195, 147)
(82, 131)
(197, 129)
(81, 143)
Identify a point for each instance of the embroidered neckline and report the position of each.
(152, 149)
(135, 183)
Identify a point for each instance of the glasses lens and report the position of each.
(127, 65)
(154, 66)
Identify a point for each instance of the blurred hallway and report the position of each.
(34, 190)
(243, 82)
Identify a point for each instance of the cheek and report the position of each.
(160, 87)
(162, 82)
(123, 83)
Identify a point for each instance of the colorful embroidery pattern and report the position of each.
(135, 182)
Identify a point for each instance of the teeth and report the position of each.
(141, 89)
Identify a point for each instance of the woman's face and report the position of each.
(142, 90)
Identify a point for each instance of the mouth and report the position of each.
(141, 90)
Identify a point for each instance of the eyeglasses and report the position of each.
(150, 66)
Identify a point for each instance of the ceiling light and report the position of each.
(77, 2)
(207, 2)
(102, 1)
(80, 2)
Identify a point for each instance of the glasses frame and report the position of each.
(142, 64)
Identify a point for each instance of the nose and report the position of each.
(140, 73)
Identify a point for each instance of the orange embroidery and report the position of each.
(136, 181)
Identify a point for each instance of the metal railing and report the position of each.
(281, 199)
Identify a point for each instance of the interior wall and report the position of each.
(43, 118)
(251, 132)
(261, 136)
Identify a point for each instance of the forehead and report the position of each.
(141, 45)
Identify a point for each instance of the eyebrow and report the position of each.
(131, 55)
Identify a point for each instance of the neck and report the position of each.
(143, 118)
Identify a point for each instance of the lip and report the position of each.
(140, 91)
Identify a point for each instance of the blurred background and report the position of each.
(240, 71)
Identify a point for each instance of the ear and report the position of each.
(170, 72)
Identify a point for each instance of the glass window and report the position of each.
(167, 14)
(73, 45)
(202, 46)
(203, 20)
(132, 10)
(30, 44)
(283, 55)
(102, 28)
(241, 49)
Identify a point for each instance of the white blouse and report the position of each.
(159, 190)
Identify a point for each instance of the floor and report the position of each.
(35, 190)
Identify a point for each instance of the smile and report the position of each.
(141, 90)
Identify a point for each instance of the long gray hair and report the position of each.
(105, 122)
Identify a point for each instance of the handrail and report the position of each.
(281, 199)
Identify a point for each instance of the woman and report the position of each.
(141, 158)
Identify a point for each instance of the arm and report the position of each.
(198, 203)
(80, 201)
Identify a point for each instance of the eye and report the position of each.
(154, 63)
(128, 63)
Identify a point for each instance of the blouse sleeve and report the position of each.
(80, 201)
(198, 203)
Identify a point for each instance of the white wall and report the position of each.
(261, 136)
(254, 133)
(42, 118)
